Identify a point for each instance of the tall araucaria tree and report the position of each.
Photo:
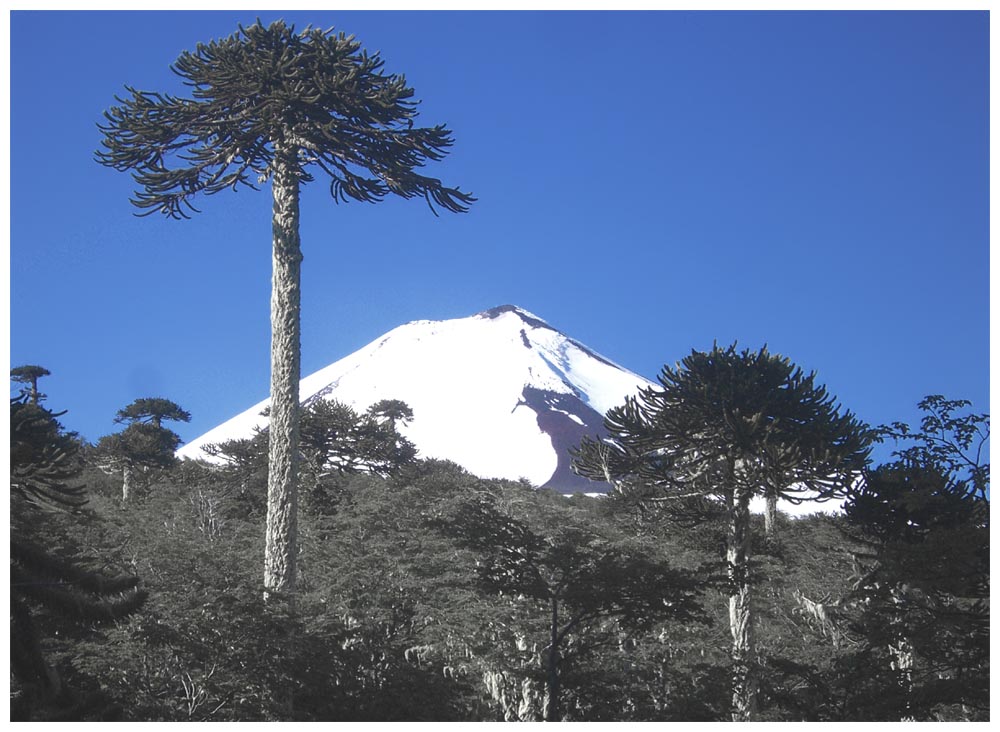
(726, 426)
(270, 103)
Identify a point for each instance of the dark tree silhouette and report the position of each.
(948, 442)
(336, 439)
(44, 459)
(152, 410)
(394, 410)
(577, 577)
(727, 426)
(920, 603)
(30, 375)
(145, 443)
(268, 103)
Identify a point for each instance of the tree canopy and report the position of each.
(569, 574)
(919, 607)
(317, 92)
(29, 375)
(152, 410)
(145, 444)
(728, 420)
(44, 458)
(948, 442)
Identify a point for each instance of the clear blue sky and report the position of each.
(649, 182)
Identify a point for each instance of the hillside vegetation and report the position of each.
(426, 593)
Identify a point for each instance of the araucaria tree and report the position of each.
(152, 410)
(270, 103)
(145, 443)
(727, 426)
(29, 375)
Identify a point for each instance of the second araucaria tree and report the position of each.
(727, 426)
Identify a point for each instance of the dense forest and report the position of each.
(425, 593)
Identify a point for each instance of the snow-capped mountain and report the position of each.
(502, 393)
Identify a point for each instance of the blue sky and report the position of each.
(648, 182)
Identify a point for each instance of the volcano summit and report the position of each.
(502, 393)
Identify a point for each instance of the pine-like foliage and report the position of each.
(145, 444)
(139, 445)
(338, 440)
(920, 605)
(727, 426)
(315, 91)
(949, 442)
(724, 420)
(152, 410)
(578, 583)
(29, 375)
(43, 460)
(76, 593)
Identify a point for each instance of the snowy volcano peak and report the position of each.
(500, 310)
(502, 393)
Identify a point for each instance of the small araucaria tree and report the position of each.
(268, 102)
(29, 375)
(152, 410)
(727, 426)
(145, 443)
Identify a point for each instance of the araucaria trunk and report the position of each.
(552, 672)
(283, 441)
(741, 619)
(770, 515)
(126, 483)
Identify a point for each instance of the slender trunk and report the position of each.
(902, 664)
(741, 619)
(126, 483)
(552, 677)
(34, 391)
(283, 445)
(770, 515)
(901, 653)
